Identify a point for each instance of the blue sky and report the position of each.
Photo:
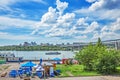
(58, 21)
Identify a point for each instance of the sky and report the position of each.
(58, 21)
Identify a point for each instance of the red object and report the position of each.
(63, 61)
(54, 65)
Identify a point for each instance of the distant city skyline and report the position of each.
(69, 46)
(58, 21)
(33, 43)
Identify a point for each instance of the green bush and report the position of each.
(87, 57)
(108, 62)
(98, 57)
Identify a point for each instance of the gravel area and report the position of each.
(16, 66)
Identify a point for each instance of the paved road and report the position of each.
(88, 78)
(79, 78)
(70, 78)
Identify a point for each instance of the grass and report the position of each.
(118, 68)
(78, 70)
(2, 61)
(75, 70)
(118, 71)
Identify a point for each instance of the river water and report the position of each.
(36, 55)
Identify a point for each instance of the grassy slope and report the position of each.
(75, 70)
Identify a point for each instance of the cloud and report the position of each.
(101, 10)
(11, 2)
(111, 4)
(57, 23)
(109, 14)
(106, 35)
(81, 37)
(61, 6)
(5, 35)
(90, 1)
(82, 27)
(54, 19)
(116, 25)
(64, 26)
(92, 27)
(7, 2)
(65, 20)
(81, 21)
(6, 22)
(96, 5)
(100, 19)
(5, 5)
(50, 16)
(109, 31)
(39, 1)
(105, 28)
(105, 4)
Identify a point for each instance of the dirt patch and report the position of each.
(112, 77)
(69, 73)
(4, 68)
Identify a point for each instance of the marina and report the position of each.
(10, 57)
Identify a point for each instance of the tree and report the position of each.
(98, 57)
(108, 62)
(87, 57)
(99, 43)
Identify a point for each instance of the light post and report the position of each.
(44, 71)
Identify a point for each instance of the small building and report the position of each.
(14, 59)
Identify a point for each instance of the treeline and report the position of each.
(33, 48)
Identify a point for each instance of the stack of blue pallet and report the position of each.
(13, 73)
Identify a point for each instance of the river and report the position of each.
(36, 55)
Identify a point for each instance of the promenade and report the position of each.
(16, 66)
(71, 78)
(89, 78)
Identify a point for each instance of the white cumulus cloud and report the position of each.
(56, 24)
(50, 16)
(96, 5)
(116, 25)
(61, 6)
(90, 1)
(109, 31)
(91, 27)
(7, 22)
(5, 35)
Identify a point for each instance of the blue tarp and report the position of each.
(28, 64)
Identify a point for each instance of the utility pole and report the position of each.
(116, 45)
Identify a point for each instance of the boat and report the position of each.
(10, 57)
(53, 53)
(7, 54)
